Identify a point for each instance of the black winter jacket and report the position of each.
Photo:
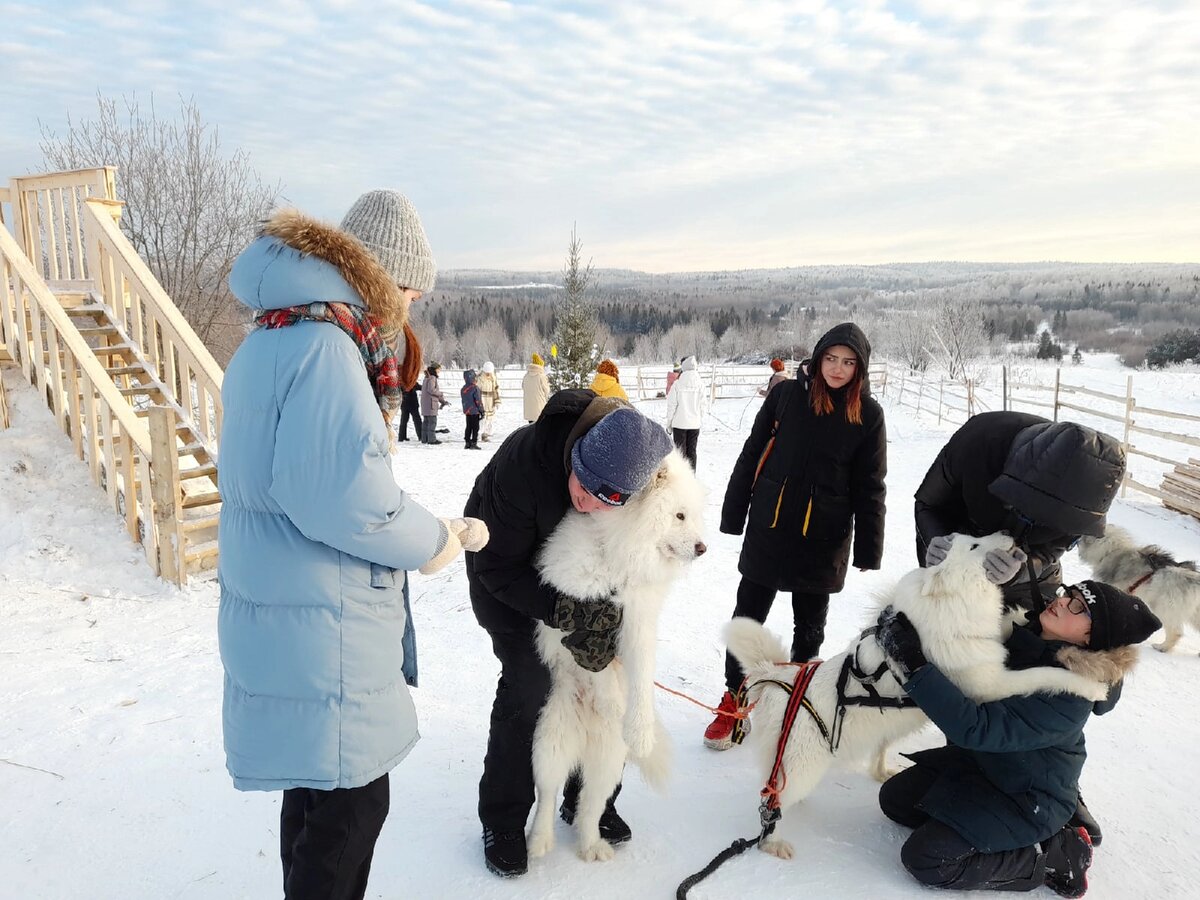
(807, 481)
(1011, 775)
(522, 496)
(1045, 483)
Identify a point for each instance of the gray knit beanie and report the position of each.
(387, 223)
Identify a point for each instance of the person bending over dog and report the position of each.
(991, 810)
(584, 452)
(1045, 483)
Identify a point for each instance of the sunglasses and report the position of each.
(1076, 604)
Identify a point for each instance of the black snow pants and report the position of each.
(685, 439)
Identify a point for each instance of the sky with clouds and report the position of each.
(677, 135)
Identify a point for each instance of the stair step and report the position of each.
(87, 309)
(97, 330)
(191, 501)
(198, 472)
(201, 523)
(110, 349)
(193, 448)
(200, 551)
(118, 371)
(145, 388)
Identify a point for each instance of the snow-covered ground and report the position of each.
(113, 777)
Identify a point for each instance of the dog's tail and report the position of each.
(756, 649)
(656, 766)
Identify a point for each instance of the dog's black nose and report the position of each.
(701, 549)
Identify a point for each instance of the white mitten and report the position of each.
(446, 555)
(471, 533)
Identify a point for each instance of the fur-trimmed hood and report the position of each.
(1104, 666)
(299, 260)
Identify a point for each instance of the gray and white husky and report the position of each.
(1170, 588)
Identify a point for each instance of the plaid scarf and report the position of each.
(379, 358)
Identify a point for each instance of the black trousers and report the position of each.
(938, 856)
(471, 434)
(327, 840)
(410, 408)
(506, 791)
(808, 611)
(685, 439)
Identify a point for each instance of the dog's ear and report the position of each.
(660, 476)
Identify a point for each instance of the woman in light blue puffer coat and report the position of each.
(316, 536)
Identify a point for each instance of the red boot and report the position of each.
(726, 730)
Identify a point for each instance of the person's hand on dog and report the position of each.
(1001, 566)
(938, 547)
(901, 643)
(592, 627)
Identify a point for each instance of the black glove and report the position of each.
(592, 627)
(899, 640)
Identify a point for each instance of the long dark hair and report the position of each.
(822, 400)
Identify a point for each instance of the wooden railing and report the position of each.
(104, 430)
(167, 343)
(46, 218)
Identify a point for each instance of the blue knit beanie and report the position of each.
(617, 457)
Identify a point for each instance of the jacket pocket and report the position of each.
(826, 517)
(766, 503)
(382, 576)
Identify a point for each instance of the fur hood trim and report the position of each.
(354, 263)
(1104, 666)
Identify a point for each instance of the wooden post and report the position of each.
(1004, 388)
(712, 394)
(970, 398)
(1057, 381)
(1129, 404)
(5, 421)
(167, 495)
(941, 389)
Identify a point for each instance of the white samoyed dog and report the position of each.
(1171, 588)
(594, 721)
(960, 617)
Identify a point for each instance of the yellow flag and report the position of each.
(554, 351)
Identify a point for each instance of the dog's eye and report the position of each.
(680, 516)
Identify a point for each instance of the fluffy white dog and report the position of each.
(1170, 588)
(960, 617)
(594, 721)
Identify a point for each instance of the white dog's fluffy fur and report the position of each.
(960, 617)
(1172, 592)
(594, 721)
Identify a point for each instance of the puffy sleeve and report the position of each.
(331, 473)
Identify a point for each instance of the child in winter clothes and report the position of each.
(319, 655)
(432, 400)
(993, 809)
(489, 389)
(607, 381)
(472, 405)
(685, 409)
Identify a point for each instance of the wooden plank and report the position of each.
(128, 450)
(167, 496)
(1092, 412)
(1162, 412)
(1154, 456)
(5, 419)
(1166, 435)
(1076, 389)
(73, 410)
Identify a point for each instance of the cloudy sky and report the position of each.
(677, 135)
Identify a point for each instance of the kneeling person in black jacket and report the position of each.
(991, 810)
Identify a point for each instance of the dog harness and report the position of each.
(1132, 589)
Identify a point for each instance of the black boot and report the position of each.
(1085, 819)
(613, 828)
(504, 852)
(1068, 856)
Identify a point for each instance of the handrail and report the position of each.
(121, 270)
(85, 357)
(46, 217)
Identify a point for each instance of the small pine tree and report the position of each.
(575, 324)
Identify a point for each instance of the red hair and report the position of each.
(410, 366)
(777, 365)
(822, 400)
(608, 367)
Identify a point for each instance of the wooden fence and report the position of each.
(1154, 439)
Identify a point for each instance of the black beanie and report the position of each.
(1118, 619)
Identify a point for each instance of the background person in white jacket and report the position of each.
(685, 409)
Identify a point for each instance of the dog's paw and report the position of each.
(540, 843)
(600, 851)
(776, 847)
(1162, 648)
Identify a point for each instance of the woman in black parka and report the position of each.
(811, 475)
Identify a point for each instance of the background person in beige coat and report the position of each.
(535, 387)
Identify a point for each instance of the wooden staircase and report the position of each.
(128, 380)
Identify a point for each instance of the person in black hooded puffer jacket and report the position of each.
(811, 478)
(1045, 483)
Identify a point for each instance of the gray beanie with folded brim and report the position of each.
(387, 224)
(619, 454)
